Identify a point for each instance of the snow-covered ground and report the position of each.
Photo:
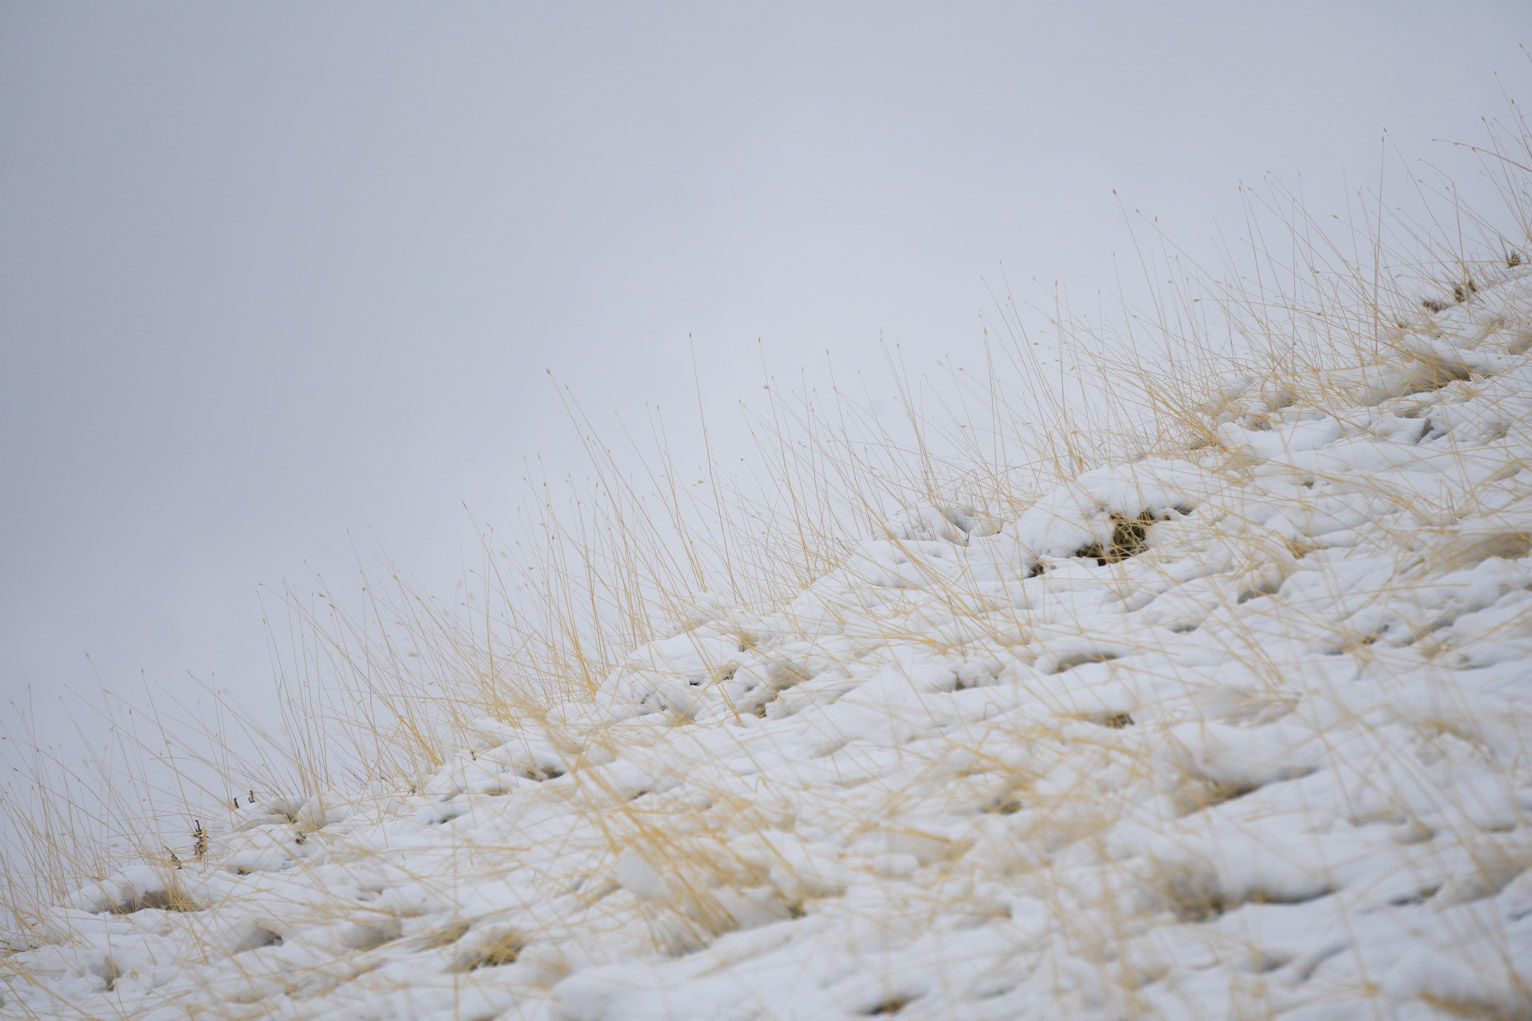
(1239, 730)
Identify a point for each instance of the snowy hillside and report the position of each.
(1237, 731)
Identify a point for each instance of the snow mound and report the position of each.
(1236, 732)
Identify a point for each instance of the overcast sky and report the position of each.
(277, 279)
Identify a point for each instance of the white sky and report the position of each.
(278, 279)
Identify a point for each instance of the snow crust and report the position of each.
(1236, 732)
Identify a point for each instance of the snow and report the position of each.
(1234, 730)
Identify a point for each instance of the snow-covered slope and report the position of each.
(1241, 731)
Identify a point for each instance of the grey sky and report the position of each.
(273, 273)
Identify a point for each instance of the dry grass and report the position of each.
(388, 698)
